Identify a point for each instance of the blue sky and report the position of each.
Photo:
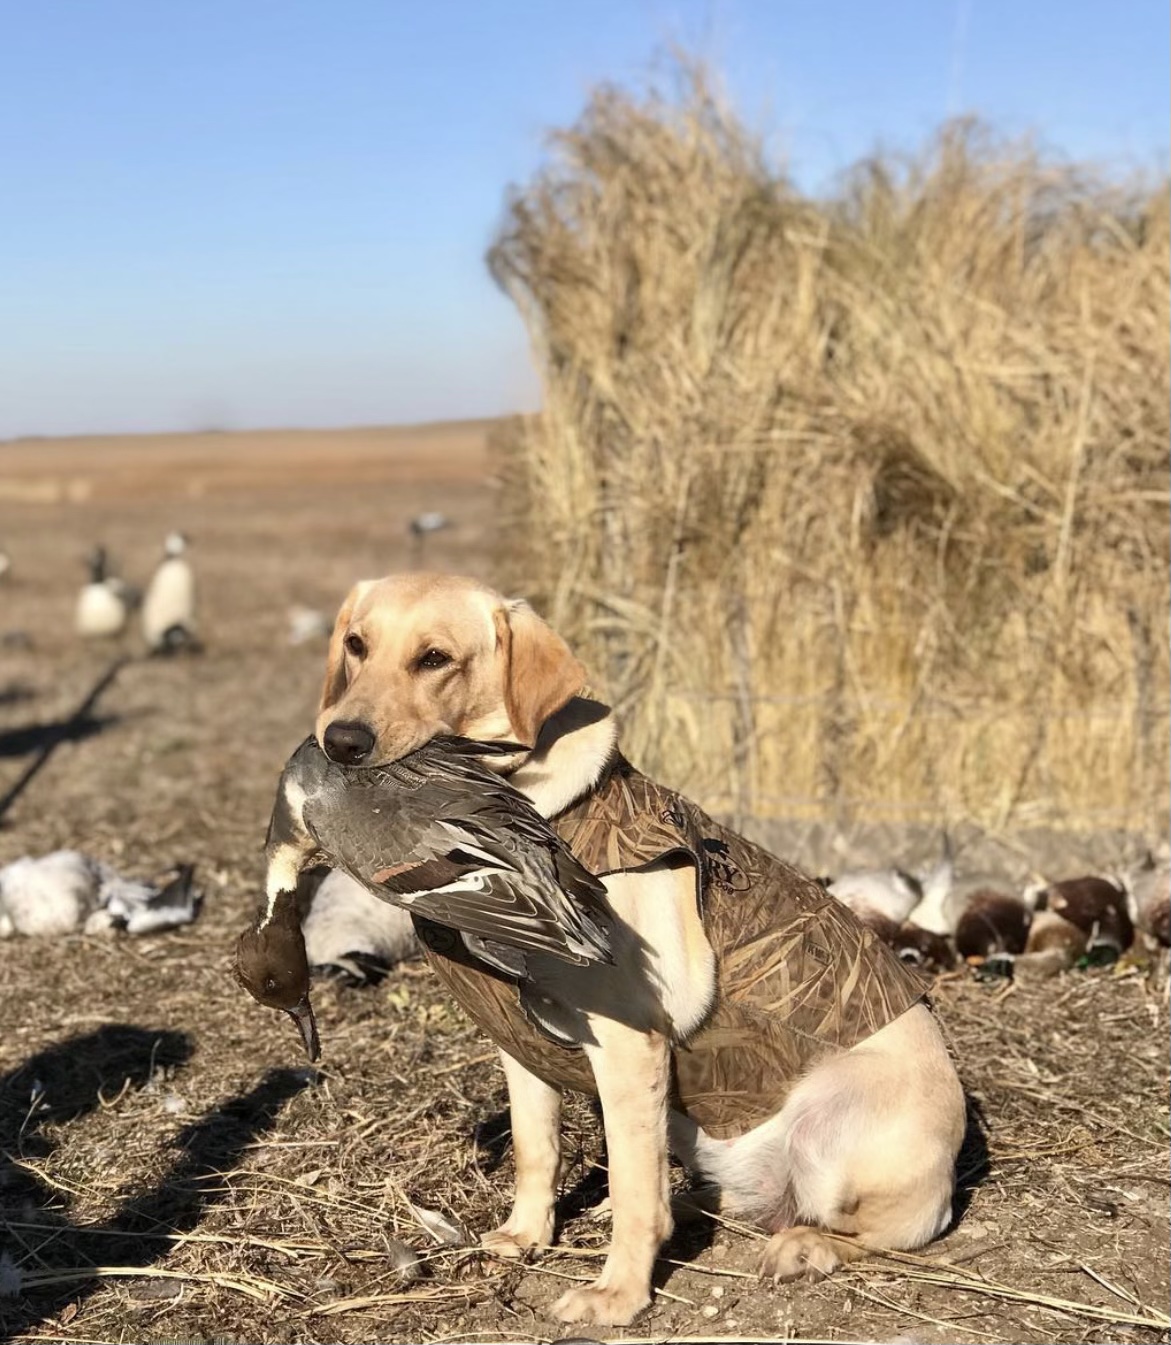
(268, 212)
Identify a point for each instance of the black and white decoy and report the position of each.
(168, 608)
(423, 526)
(104, 602)
(438, 834)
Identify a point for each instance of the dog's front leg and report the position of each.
(632, 1070)
(535, 1116)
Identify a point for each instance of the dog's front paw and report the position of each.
(610, 1305)
(515, 1239)
(797, 1252)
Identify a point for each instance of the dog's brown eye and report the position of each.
(356, 645)
(270, 985)
(433, 658)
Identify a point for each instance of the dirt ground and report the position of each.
(171, 1170)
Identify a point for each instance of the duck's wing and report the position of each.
(478, 888)
(446, 838)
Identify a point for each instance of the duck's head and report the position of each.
(174, 544)
(923, 948)
(272, 966)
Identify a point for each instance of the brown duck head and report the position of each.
(923, 948)
(272, 966)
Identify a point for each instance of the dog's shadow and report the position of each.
(974, 1162)
(68, 1081)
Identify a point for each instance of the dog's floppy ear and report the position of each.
(335, 660)
(540, 673)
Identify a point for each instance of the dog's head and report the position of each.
(416, 655)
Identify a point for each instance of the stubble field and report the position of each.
(173, 1171)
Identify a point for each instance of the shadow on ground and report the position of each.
(66, 1082)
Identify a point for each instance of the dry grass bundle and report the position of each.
(859, 502)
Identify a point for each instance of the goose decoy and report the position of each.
(147, 908)
(65, 891)
(438, 834)
(351, 935)
(307, 623)
(1097, 906)
(168, 608)
(423, 526)
(102, 605)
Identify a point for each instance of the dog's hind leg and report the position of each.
(868, 1143)
(861, 1156)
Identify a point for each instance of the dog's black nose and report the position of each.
(349, 744)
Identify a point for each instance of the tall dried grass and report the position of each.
(856, 504)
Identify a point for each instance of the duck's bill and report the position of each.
(302, 1015)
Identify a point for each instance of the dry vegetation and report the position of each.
(856, 504)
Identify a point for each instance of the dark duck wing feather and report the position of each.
(450, 841)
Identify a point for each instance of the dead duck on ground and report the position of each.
(438, 834)
(993, 929)
(1097, 906)
(67, 892)
(923, 948)
(1053, 945)
(880, 898)
(1149, 898)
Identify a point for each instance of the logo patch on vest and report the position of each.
(673, 816)
(719, 867)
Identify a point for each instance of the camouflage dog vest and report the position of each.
(798, 977)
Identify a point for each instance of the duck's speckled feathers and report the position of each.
(441, 835)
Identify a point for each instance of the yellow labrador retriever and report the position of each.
(862, 1152)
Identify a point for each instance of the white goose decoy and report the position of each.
(351, 933)
(65, 892)
(431, 521)
(168, 609)
(423, 526)
(103, 604)
(308, 623)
